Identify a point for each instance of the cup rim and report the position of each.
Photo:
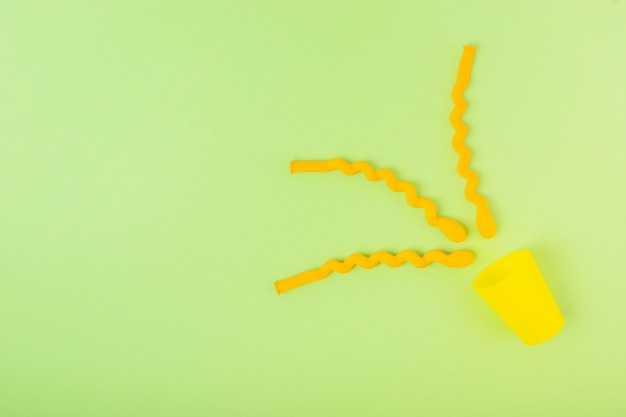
(502, 268)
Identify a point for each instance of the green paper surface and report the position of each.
(147, 207)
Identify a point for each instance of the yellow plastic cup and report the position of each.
(514, 288)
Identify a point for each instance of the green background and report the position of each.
(147, 206)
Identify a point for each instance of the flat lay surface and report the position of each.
(147, 207)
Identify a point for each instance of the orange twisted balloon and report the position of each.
(456, 259)
(484, 221)
(452, 229)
